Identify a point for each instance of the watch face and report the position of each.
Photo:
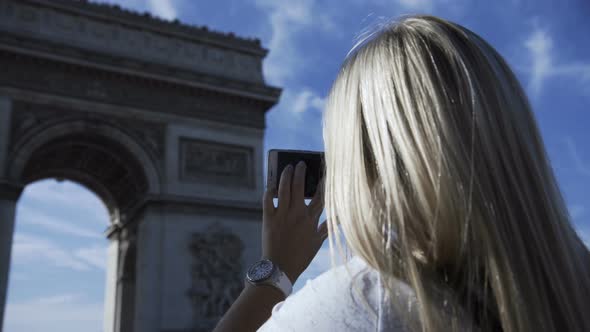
(260, 270)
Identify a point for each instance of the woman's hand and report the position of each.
(290, 234)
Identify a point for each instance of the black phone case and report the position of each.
(314, 171)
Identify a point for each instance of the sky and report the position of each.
(59, 252)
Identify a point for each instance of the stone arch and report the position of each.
(67, 150)
(106, 159)
(176, 104)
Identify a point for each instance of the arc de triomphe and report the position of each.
(165, 123)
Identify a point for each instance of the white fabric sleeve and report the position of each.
(326, 303)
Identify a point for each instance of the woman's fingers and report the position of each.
(298, 190)
(267, 203)
(317, 203)
(285, 187)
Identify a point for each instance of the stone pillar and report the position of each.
(190, 263)
(120, 289)
(9, 194)
(126, 283)
(5, 120)
(149, 270)
(110, 299)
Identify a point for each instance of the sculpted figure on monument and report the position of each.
(217, 271)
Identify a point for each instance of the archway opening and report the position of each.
(59, 258)
(82, 159)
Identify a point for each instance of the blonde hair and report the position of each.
(437, 175)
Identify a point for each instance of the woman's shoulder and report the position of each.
(345, 298)
(340, 281)
(328, 302)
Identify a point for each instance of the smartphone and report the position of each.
(279, 159)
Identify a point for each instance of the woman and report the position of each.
(438, 179)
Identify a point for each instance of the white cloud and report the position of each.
(163, 8)
(61, 312)
(306, 100)
(580, 165)
(543, 65)
(28, 216)
(58, 299)
(287, 19)
(166, 9)
(95, 256)
(580, 69)
(421, 5)
(28, 248)
(293, 119)
(69, 195)
(539, 45)
(417, 6)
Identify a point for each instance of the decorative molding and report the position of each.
(60, 24)
(185, 205)
(98, 162)
(216, 274)
(125, 16)
(28, 118)
(216, 164)
(139, 70)
(151, 135)
(91, 84)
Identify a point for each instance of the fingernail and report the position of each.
(302, 163)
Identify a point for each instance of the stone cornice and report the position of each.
(147, 21)
(140, 70)
(81, 28)
(115, 88)
(182, 204)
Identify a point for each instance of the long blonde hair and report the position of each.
(437, 175)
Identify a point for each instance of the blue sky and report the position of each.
(59, 253)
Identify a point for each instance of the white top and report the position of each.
(330, 303)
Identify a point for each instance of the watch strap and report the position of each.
(284, 284)
(278, 280)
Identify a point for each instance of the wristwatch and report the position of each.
(265, 272)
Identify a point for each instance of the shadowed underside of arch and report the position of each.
(96, 162)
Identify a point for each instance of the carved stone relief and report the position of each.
(127, 40)
(216, 274)
(215, 163)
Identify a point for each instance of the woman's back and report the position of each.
(334, 301)
(330, 303)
